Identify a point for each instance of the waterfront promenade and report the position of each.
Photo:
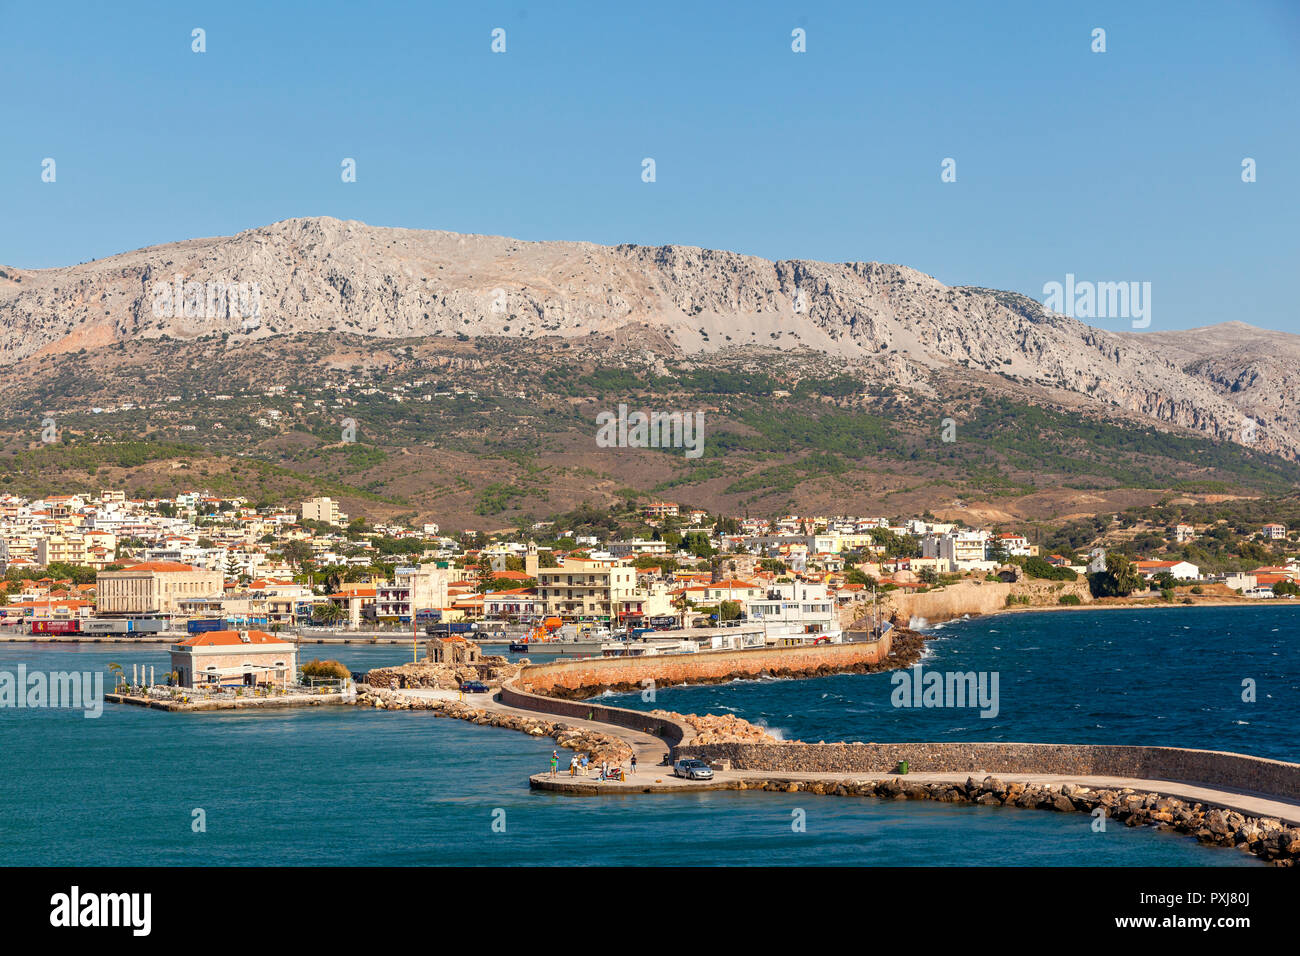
(662, 780)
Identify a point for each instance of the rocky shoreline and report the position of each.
(1265, 837)
(596, 745)
(490, 669)
(719, 728)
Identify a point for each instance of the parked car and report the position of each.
(475, 687)
(692, 769)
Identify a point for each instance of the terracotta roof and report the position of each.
(161, 566)
(230, 639)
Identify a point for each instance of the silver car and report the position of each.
(692, 769)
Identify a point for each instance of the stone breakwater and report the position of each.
(718, 728)
(1208, 767)
(579, 679)
(598, 746)
(1265, 837)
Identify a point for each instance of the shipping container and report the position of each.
(55, 627)
(105, 625)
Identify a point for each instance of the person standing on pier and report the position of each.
(634, 765)
(555, 760)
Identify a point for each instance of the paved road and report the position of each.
(1250, 804)
(650, 750)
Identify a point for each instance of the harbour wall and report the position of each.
(672, 732)
(589, 676)
(1208, 767)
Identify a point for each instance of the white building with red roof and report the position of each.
(235, 658)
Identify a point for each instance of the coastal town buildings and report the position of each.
(199, 556)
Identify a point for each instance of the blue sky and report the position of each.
(1115, 166)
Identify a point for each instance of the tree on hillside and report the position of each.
(1120, 578)
(483, 573)
(297, 552)
(697, 543)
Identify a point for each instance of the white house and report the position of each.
(1181, 570)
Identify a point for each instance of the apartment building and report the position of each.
(962, 550)
(154, 587)
(1014, 544)
(635, 548)
(587, 589)
(796, 612)
(323, 509)
(660, 509)
(418, 587)
(516, 604)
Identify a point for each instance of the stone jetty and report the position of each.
(1265, 837)
(596, 745)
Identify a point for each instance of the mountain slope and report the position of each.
(328, 276)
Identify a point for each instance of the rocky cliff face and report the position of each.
(323, 275)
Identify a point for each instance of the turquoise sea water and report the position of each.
(350, 786)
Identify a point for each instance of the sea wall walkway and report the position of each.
(1222, 798)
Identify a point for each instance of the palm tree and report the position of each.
(681, 603)
(330, 613)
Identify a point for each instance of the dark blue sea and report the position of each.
(335, 786)
(1164, 677)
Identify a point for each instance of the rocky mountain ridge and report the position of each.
(322, 275)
